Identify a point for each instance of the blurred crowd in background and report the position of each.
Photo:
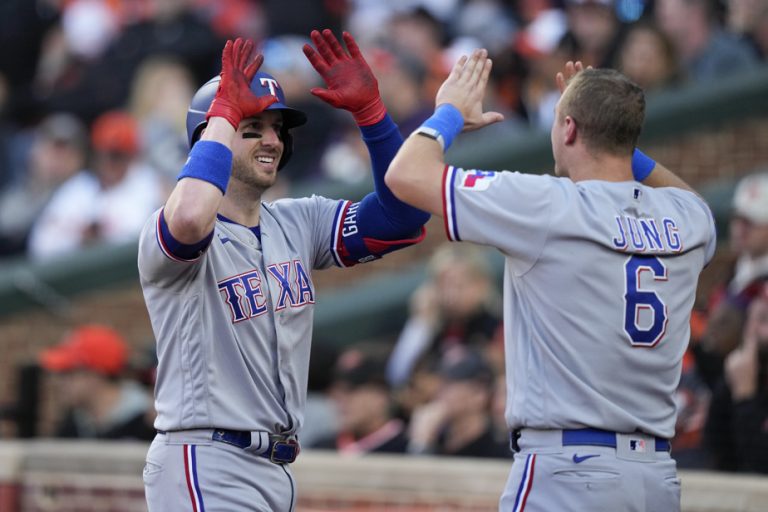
(93, 93)
(93, 99)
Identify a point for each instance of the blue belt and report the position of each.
(593, 437)
(281, 449)
(596, 437)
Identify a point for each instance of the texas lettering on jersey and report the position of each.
(244, 293)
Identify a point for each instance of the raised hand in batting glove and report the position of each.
(351, 84)
(234, 100)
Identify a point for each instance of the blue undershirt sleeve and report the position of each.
(172, 247)
(381, 215)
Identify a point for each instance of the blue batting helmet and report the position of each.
(261, 85)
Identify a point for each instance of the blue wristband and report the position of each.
(209, 161)
(642, 165)
(447, 121)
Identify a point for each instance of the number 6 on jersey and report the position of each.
(644, 333)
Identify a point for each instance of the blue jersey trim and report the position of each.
(336, 233)
(449, 204)
(176, 250)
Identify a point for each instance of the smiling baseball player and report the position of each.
(600, 277)
(227, 281)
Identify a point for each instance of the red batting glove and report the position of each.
(234, 100)
(351, 84)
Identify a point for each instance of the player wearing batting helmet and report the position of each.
(227, 280)
(601, 267)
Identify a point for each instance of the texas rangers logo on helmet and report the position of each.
(271, 83)
(477, 180)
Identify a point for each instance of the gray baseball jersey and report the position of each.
(233, 326)
(599, 283)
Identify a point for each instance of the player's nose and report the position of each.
(270, 137)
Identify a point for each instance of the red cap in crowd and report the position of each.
(115, 131)
(93, 347)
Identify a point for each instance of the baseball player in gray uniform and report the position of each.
(227, 281)
(601, 267)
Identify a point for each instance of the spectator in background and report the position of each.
(749, 19)
(419, 34)
(594, 32)
(160, 27)
(402, 87)
(692, 398)
(749, 243)
(737, 429)
(109, 204)
(367, 422)
(89, 363)
(486, 21)
(706, 51)
(58, 152)
(70, 48)
(646, 55)
(458, 305)
(160, 94)
(459, 421)
(541, 55)
(23, 25)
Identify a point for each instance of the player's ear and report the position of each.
(570, 130)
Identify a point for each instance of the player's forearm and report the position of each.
(663, 177)
(190, 211)
(653, 174)
(415, 174)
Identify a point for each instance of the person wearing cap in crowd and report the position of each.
(58, 152)
(737, 426)
(458, 422)
(367, 423)
(90, 362)
(749, 243)
(106, 204)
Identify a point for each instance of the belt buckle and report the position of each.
(284, 451)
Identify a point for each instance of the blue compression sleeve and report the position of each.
(209, 161)
(381, 214)
(642, 165)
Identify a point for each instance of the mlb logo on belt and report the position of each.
(637, 445)
(477, 180)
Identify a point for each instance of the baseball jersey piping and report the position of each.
(449, 204)
(336, 232)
